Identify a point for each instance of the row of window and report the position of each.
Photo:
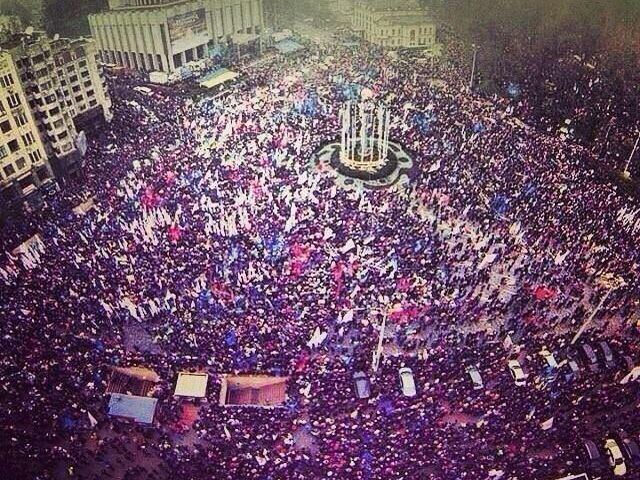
(20, 163)
(20, 119)
(425, 30)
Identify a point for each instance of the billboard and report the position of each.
(187, 30)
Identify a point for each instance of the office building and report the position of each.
(397, 24)
(163, 35)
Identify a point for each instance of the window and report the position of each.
(28, 139)
(79, 99)
(73, 78)
(21, 163)
(93, 102)
(63, 83)
(13, 145)
(6, 80)
(70, 68)
(5, 126)
(14, 100)
(35, 156)
(20, 118)
(76, 89)
(63, 135)
(3, 151)
(58, 123)
(9, 170)
(82, 63)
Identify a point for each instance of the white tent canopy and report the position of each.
(244, 38)
(191, 385)
(223, 77)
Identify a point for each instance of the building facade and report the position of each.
(24, 167)
(62, 93)
(163, 35)
(397, 24)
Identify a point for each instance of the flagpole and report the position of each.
(626, 172)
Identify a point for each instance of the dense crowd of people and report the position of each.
(589, 99)
(215, 233)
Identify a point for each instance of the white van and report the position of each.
(407, 382)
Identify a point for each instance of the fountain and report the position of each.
(364, 142)
(365, 155)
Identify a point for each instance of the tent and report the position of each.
(288, 46)
(218, 78)
(139, 409)
(158, 77)
(84, 207)
(244, 38)
(191, 385)
(284, 34)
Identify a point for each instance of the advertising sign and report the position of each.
(188, 30)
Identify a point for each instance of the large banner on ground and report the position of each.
(188, 30)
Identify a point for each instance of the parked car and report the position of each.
(476, 379)
(630, 450)
(592, 458)
(361, 385)
(589, 357)
(606, 355)
(614, 455)
(407, 382)
(517, 373)
(548, 357)
(570, 369)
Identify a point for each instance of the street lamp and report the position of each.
(610, 281)
(626, 172)
(473, 67)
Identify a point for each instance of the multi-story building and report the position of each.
(163, 35)
(397, 24)
(24, 167)
(63, 94)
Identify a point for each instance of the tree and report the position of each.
(17, 8)
(69, 17)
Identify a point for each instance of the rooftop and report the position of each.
(395, 5)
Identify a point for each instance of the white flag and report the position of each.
(92, 420)
(546, 425)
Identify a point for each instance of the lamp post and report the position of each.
(608, 280)
(473, 66)
(626, 172)
(378, 353)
